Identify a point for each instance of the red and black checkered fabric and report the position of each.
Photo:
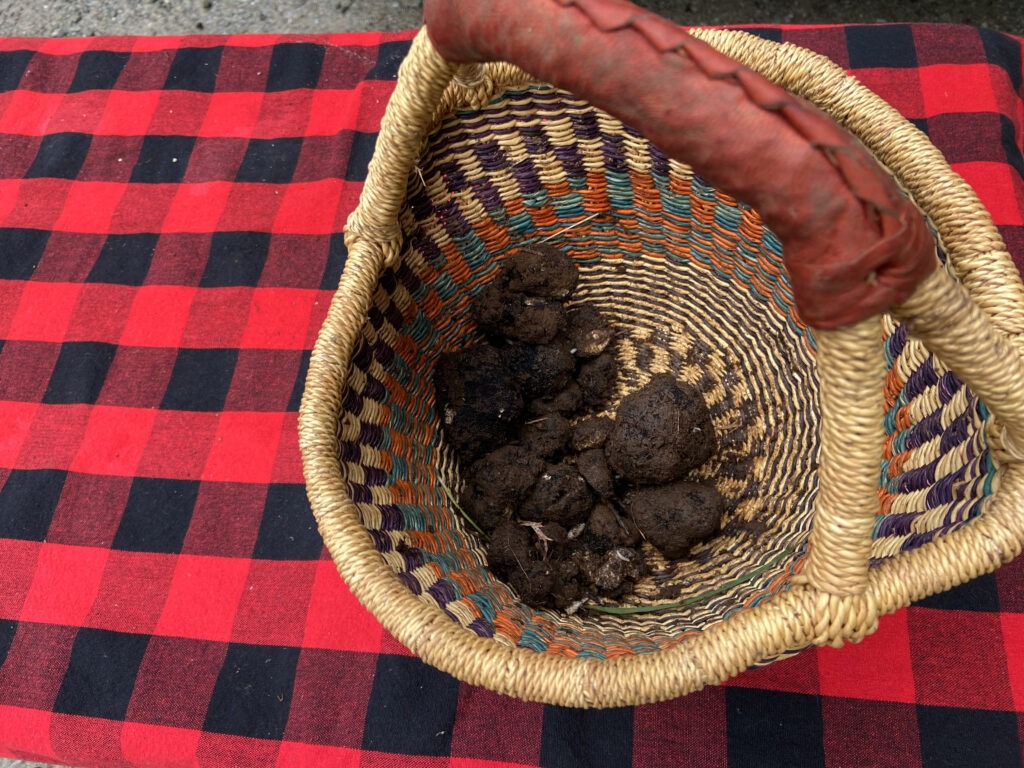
(170, 211)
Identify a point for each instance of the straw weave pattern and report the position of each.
(694, 284)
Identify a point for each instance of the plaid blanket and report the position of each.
(170, 217)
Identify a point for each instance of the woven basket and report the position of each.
(862, 471)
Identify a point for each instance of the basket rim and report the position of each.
(799, 617)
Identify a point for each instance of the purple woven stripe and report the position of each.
(411, 583)
(955, 434)
(450, 215)
(535, 140)
(432, 254)
(896, 524)
(420, 205)
(659, 162)
(482, 627)
(374, 389)
(349, 452)
(454, 177)
(927, 429)
(489, 196)
(381, 541)
(362, 356)
(413, 558)
(949, 385)
(525, 174)
(915, 540)
(392, 518)
(371, 434)
(917, 479)
(614, 153)
(897, 341)
(409, 280)
(961, 514)
(920, 379)
(383, 352)
(378, 318)
(571, 161)
(360, 493)
(944, 490)
(491, 157)
(586, 126)
(443, 592)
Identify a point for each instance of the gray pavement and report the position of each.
(56, 18)
(152, 17)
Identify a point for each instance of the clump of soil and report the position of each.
(569, 498)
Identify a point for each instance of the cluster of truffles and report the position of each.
(566, 496)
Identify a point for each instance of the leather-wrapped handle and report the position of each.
(854, 244)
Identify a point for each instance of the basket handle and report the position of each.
(854, 244)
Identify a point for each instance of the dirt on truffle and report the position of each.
(497, 484)
(675, 516)
(539, 269)
(569, 500)
(482, 406)
(661, 432)
(547, 436)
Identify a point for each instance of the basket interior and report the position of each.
(694, 285)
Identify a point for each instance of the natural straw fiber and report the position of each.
(862, 471)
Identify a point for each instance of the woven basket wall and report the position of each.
(694, 285)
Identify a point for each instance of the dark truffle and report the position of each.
(533, 581)
(546, 436)
(550, 495)
(596, 378)
(533, 319)
(540, 369)
(593, 465)
(588, 330)
(661, 432)
(479, 401)
(497, 484)
(509, 546)
(560, 495)
(540, 270)
(614, 572)
(606, 528)
(566, 402)
(675, 516)
(591, 432)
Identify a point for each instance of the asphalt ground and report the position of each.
(54, 18)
